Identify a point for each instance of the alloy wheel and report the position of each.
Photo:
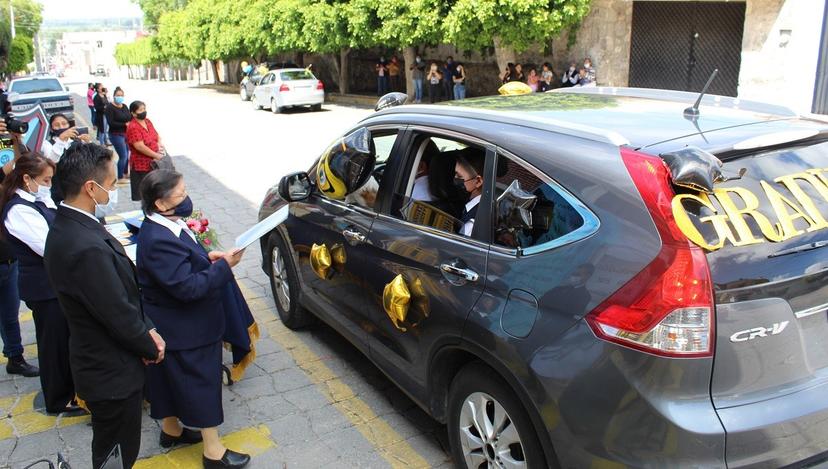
(488, 435)
(280, 279)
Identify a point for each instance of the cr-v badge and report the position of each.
(756, 332)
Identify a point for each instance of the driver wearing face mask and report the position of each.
(28, 214)
(468, 179)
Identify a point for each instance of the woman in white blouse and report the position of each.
(27, 213)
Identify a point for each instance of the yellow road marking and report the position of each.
(253, 441)
(29, 351)
(388, 442)
(19, 417)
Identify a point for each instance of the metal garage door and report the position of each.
(677, 45)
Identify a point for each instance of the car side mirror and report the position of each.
(295, 187)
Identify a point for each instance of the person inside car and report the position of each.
(421, 187)
(468, 178)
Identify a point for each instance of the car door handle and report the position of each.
(353, 237)
(467, 274)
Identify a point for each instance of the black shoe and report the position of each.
(18, 366)
(231, 459)
(71, 410)
(187, 437)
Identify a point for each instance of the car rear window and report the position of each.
(297, 75)
(41, 85)
(529, 209)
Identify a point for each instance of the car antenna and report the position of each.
(693, 111)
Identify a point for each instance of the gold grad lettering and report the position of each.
(689, 229)
(790, 181)
(780, 205)
(736, 216)
(823, 179)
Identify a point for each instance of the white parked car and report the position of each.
(288, 87)
(46, 90)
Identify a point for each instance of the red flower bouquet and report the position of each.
(200, 226)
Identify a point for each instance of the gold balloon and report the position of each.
(320, 259)
(514, 88)
(395, 300)
(338, 254)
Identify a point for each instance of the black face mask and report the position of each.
(141, 115)
(460, 185)
(56, 132)
(184, 209)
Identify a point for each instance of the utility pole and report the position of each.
(38, 60)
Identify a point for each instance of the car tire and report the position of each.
(243, 94)
(478, 388)
(274, 107)
(316, 107)
(256, 105)
(284, 283)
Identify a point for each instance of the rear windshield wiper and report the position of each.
(798, 249)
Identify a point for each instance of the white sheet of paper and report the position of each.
(262, 228)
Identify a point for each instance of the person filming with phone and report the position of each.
(61, 135)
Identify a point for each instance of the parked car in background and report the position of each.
(251, 80)
(100, 71)
(26, 92)
(288, 87)
(637, 288)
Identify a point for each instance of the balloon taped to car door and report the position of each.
(347, 165)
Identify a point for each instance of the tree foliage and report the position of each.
(16, 54)
(21, 53)
(223, 30)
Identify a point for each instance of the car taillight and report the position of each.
(284, 87)
(320, 85)
(667, 308)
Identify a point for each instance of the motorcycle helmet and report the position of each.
(347, 165)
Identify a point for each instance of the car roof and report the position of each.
(619, 116)
(36, 77)
(297, 69)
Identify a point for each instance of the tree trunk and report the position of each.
(409, 56)
(503, 54)
(215, 67)
(344, 78)
(299, 58)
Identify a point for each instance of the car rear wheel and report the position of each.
(284, 282)
(316, 107)
(487, 424)
(256, 105)
(243, 94)
(274, 107)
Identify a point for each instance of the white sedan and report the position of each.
(288, 87)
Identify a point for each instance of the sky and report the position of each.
(80, 9)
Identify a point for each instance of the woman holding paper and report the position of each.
(182, 289)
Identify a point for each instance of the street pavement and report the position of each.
(310, 399)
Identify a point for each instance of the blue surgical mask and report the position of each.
(103, 210)
(119, 100)
(184, 209)
(41, 193)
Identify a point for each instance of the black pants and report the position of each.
(116, 422)
(52, 333)
(434, 92)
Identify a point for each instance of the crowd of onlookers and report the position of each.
(447, 80)
(547, 79)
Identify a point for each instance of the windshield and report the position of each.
(297, 75)
(36, 86)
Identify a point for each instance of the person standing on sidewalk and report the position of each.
(449, 70)
(382, 76)
(10, 296)
(27, 213)
(90, 101)
(94, 280)
(433, 77)
(394, 74)
(418, 75)
(460, 82)
(144, 147)
(117, 117)
(101, 101)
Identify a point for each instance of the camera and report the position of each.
(14, 125)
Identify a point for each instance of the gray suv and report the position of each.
(27, 92)
(588, 278)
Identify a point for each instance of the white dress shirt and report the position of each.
(54, 151)
(420, 191)
(467, 228)
(27, 224)
(175, 226)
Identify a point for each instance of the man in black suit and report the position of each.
(111, 339)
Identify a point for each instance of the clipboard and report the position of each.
(262, 228)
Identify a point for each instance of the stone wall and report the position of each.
(780, 51)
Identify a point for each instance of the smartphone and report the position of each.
(82, 130)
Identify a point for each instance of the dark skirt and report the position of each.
(135, 178)
(187, 385)
(52, 333)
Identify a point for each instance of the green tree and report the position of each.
(27, 17)
(154, 9)
(21, 54)
(509, 25)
